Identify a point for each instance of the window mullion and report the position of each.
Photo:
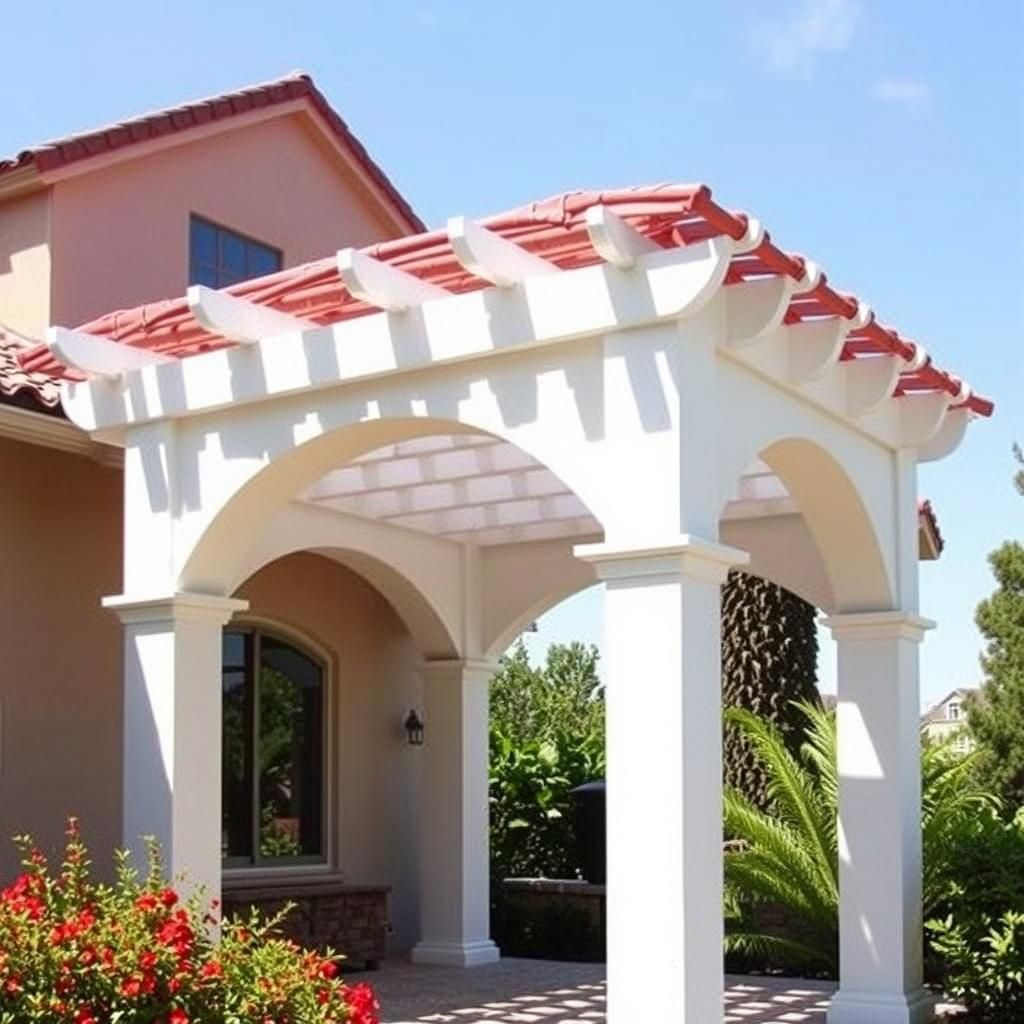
(257, 657)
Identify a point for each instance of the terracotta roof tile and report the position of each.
(41, 389)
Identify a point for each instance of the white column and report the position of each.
(664, 734)
(878, 719)
(172, 730)
(454, 840)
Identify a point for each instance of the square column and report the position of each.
(455, 898)
(172, 730)
(879, 755)
(664, 815)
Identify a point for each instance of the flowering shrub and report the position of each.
(73, 951)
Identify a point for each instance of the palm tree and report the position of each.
(769, 664)
(787, 858)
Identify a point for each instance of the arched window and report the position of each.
(274, 765)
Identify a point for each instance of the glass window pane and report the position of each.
(202, 241)
(291, 716)
(262, 260)
(200, 273)
(232, 255)
(237, 752)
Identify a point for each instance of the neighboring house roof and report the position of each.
(59, 154)
(936, 713)
(30, 388)
(931, 541)
(671, 216)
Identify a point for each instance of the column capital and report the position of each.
(456, 669)
(133, 609)
(883, 625)
(682, 555)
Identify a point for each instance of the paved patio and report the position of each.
(523, 991)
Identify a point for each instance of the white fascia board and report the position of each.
(546, 309)
(239, 319)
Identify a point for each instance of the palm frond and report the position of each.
(763, 945)
(793, 791)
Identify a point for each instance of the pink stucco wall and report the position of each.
(120, 234)
(60, 678)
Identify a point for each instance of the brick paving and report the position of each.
(526, 991)
(533, 991)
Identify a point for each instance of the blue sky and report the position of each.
(885, 140)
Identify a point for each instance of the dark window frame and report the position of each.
(218, 268)
(254, 634)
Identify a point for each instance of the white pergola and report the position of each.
(646, 414)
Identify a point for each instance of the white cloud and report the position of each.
(905, 91)
(810, 28)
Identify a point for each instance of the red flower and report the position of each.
(177, 1016)
(168, 898)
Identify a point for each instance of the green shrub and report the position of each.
(75, 951)
(531, 823)
(978, 931)
(547, 737)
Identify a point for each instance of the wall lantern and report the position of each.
(414, 728)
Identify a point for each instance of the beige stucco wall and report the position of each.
(60, 677)
(373, 684)
(120, 234)
(60, 670)
(25, 263)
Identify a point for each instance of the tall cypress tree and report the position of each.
(769, 661)
(996, 716)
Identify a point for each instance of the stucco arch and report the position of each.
(838, 520)
(522, 582)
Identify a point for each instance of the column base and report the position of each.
(881, 1008)
(456, 954)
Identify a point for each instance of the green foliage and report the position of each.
(978, 929)
(769, 665)
(996, 716)
(788, 857)
(547, 737)
(563, 696)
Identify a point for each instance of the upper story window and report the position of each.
(273, 760)
(953, 711)
(219, 257)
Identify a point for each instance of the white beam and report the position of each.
(488, 255)
(755, 308)
(383, 285)
(813, 347)
(97, 356)
(948, 437)
(921, 417)
(546, 310)
(239, 319)
(614, 240)
(869, 382)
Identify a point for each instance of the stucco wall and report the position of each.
(25, 264)
(120, 235)
(374, 683)
(60, 671)
(60, 677)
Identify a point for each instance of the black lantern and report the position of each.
(414, 728)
